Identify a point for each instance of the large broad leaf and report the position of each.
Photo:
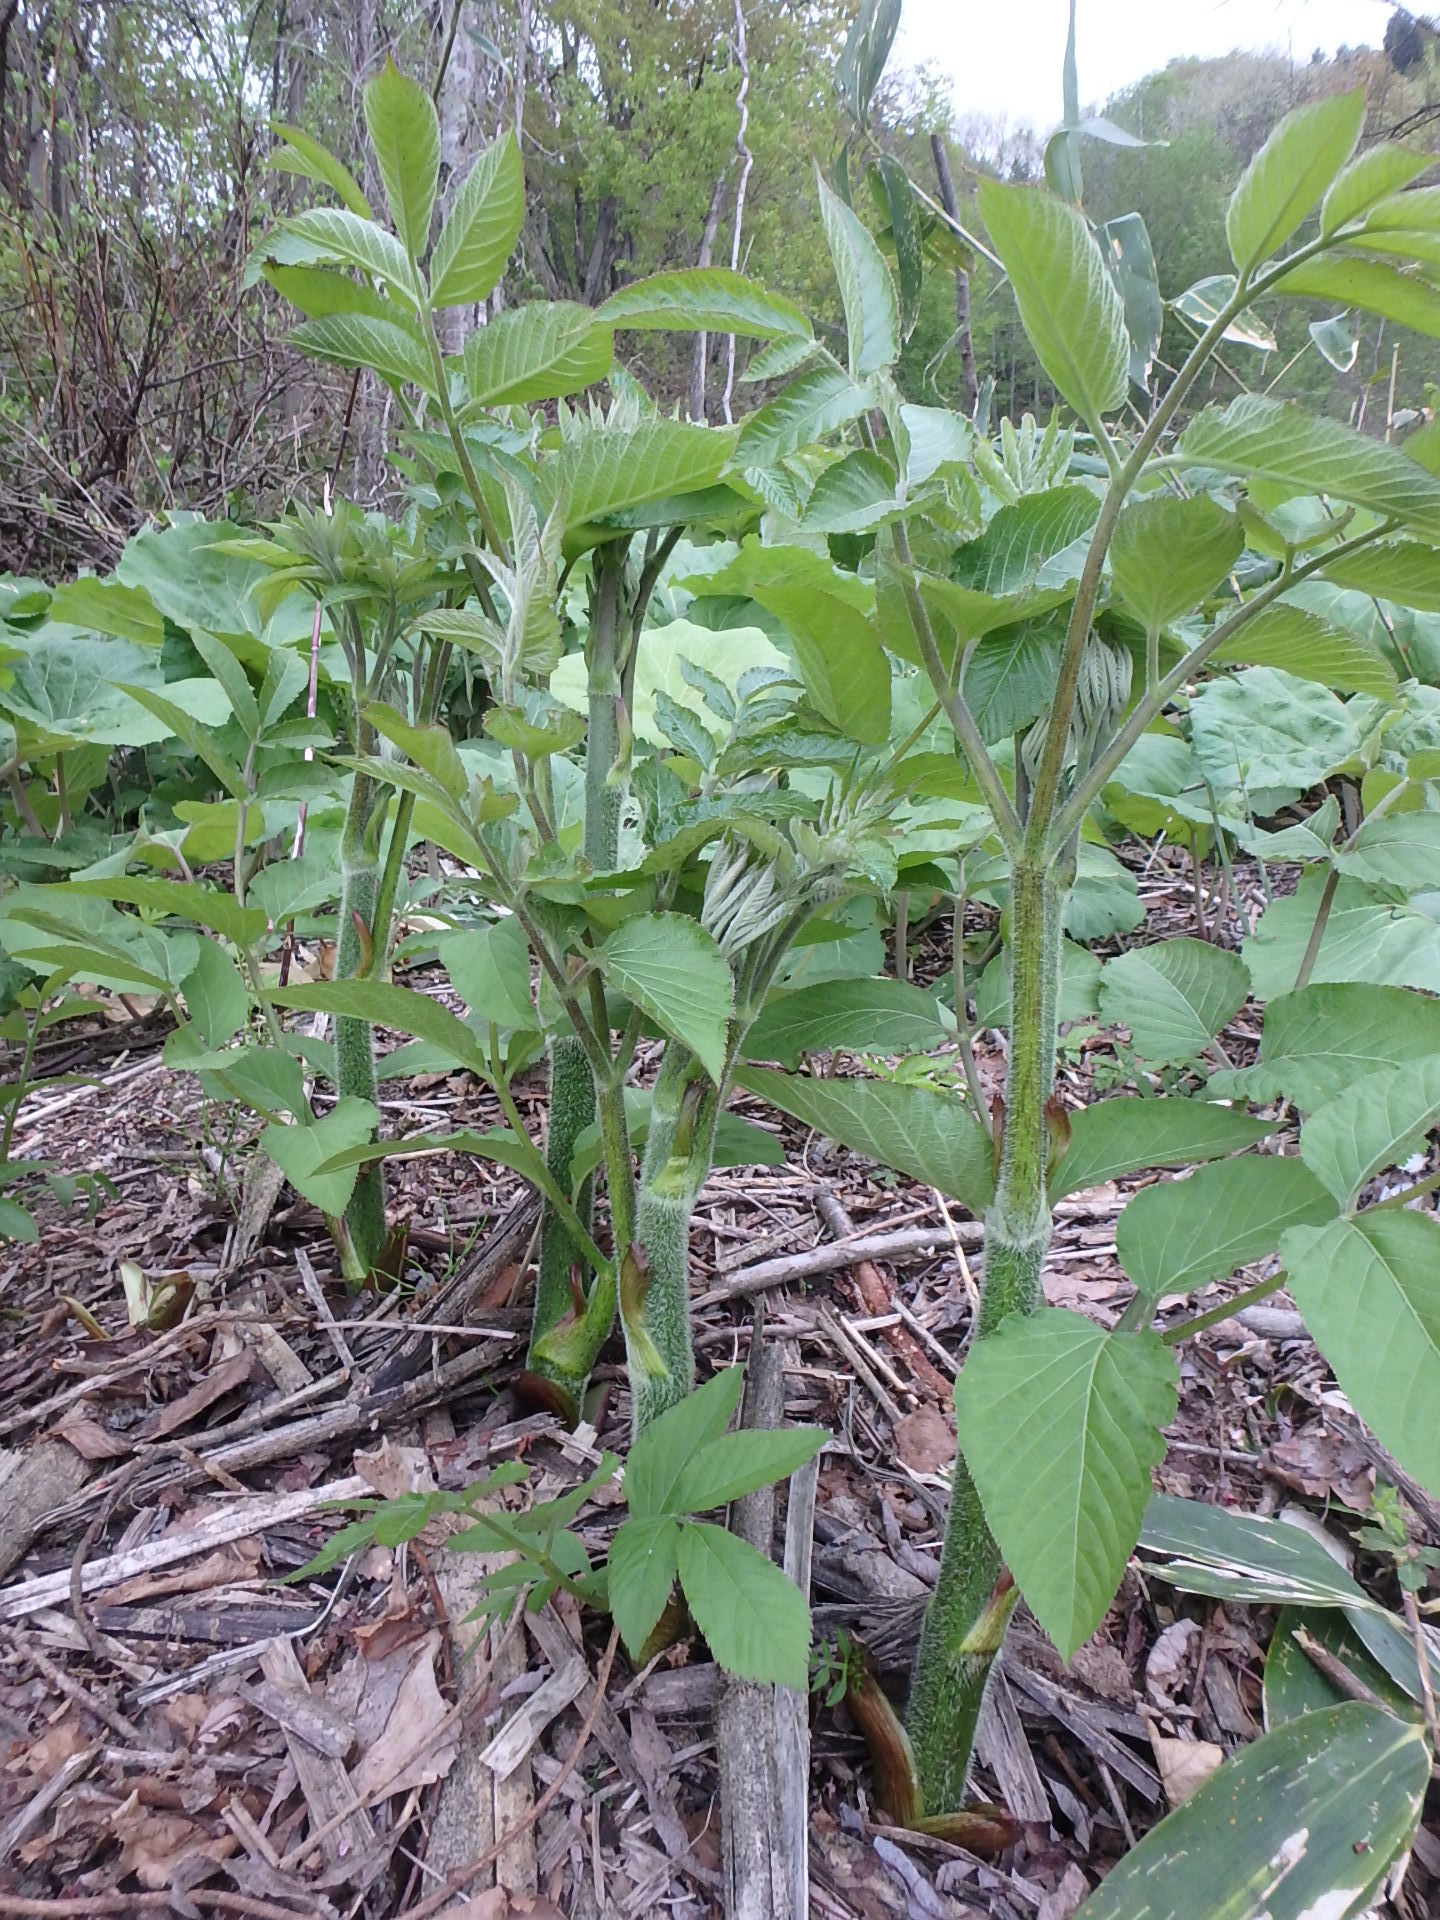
(1378, 173)
(1275, 440)
(1179, 1235)
(852, 495)
(187, 899)
(1402, 570)
(1376, 1123)
(728, 653)
(659, 1455)
(737, 1463)
(1168, 554)
(404, 133)
(753, 1615)
(539, 352)
(1040, 540)
(1301, 643)
(359, 340)
(872, 318)
(300, 1151)
(1010, 680)
(1372, 284)
(1287, 177)
(1397, 850)
(1303, 1825)
(338, 237)
(811, 407)
(640, 1575)
(1060, 1424)
(1263, 728)
(1120, 1136)
(490, 969)
(1369, 1289)
(1068, 301)
(215, 996)
(108, 606)
(389, 1006)
(826, 613)
(1315, 1044)
(701, 299)
(860, 1016)
(602, 472)
(1174, 997)
(1366, 939)
(671, 967)
(926, 1134)
(484, 224)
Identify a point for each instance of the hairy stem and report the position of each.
(355, 1039)
(973, 1599)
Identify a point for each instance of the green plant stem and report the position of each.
(962, 1005)
(684, 1112)
(966, 1619)
(493, 535)
(1213, 1316)
(355, 1039)
(582, 1079)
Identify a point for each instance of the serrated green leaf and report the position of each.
(404, 133)
(872, 318)
(1287, 177)
(360, 340)
(1114, 1137)
(196, 737)
(1369, 1288)
(1067, 299)
(215, 995)
(187, 899)
(1403, 570)
(658, 1456)
(1396, 850)
(811, 407)
(671, 967)
(1317, 1043)
(1376, 1123)
(338, 237)
(1298, 642)
(389, 1006)
(600, 474)
(1175, 997)
(1263, 728)
(1329, 1802)
(478, 238)
(1179, 1235)
(641, 1573)
(536, 353)
(1368, 938)
(700, 299)
(1379, 172)
(1060, 1424)
(753, 1615)
(1372, 285)
(299, 1150)
(430, 747)
(303, 154)
(489, 968)
(916, 1130)
(1169, 554)
(108, 606)
(738, 1463)
(1275, 440)
(862, 1016)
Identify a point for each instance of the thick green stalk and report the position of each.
(562, 1355)
(655, 1281)
(968, 1613)
(355, 1039)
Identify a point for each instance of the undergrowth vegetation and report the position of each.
(682, 717)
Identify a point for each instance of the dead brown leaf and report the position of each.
(213, 1386)
(1184, 1765)
(1325, 1466)
(925, 1440)
(92, 1441)
(155, 1842)
(49, 1751)
(421, 1735)
(393, 1471)
(1066, 1898)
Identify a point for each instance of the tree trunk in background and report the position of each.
(372, 404)
(462, 135)
(696, 403)
(962, 278)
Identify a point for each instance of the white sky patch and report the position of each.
(1004, 61)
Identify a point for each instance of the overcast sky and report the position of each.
(1004, 56)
